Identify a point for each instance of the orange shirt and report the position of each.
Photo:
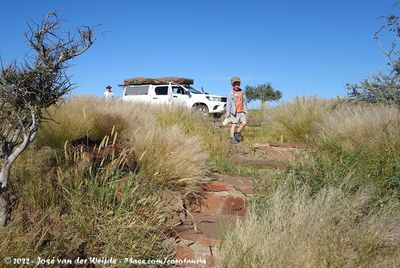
(239, 102)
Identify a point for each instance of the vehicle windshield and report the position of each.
(193, 90)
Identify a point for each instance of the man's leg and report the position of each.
(242, 126)
(233, 130)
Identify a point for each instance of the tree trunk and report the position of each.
(4, 200)
(5, 172)
(263, 105)
(4, 205)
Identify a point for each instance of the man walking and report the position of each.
(236, 108)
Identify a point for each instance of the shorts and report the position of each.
(238, 118)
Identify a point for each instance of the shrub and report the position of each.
(380, 88)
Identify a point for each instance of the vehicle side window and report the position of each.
(161, 90)
(141, 90)
(178, 90)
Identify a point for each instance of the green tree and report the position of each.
(263, 92)
(382, 88)
(27, 90)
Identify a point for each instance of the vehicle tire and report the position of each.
(201, 108)
(217, 115)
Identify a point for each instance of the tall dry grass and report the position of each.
(331, 229)
(89, 209)
(339, 205)
(167, 155)
(92, 117)
(371, 126)
(296, 120)
(169, 158)
(67, 204)
(361, 140)
(213, 138)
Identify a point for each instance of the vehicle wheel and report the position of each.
(217, 115)
(201, 108)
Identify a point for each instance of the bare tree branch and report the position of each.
(27, 90)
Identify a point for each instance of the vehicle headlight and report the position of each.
(211, 98)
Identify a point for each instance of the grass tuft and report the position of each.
(331, 229)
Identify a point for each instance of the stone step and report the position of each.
(200, 237)
(220, 203)
(242, 184)
(271, 164)
(204, 228)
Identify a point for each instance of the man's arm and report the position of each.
(228, 104)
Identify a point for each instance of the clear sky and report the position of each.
(301, 47)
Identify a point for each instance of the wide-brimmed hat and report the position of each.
(107, 87)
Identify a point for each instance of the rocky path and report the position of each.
(223, 203)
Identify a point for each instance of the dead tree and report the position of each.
(28, 89)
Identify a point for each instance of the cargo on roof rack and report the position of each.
(157, 81)
(177, 80)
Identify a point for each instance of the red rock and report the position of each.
(216, 186)
(234, 205)
(274, 153)
(184, 252)
(209, 241)
(211, 203)
(189, 236)
(210, 261)
(244, 189)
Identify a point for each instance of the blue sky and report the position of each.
(301, 47)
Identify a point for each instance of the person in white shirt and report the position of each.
(108, 94)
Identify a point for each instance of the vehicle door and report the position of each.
(161, 94)
(180, 96)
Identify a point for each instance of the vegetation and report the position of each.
(338, 205)
(297, 120)
(73, 211)
(68, 204)
(382, 88)
(104, 178)
(289, 228)
(27, 90)
(263, 92)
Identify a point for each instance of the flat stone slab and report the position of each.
(216, 186)
(288, 145)
(261, 163)
(242, 184)
(209, 228)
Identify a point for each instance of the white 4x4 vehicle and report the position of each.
(174, 91)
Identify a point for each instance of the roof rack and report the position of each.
(157, 81)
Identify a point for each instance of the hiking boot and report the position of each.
(233, 141)
(238, 136)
